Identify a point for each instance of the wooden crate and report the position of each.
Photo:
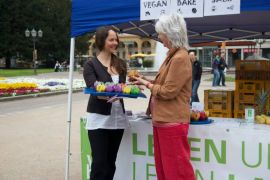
(244, 97)
(267, 108)
(252, 86)
(252, 65)
(239, 114)
(267, 85)
(267, 88)
(218, 96)
(218, 106)
(221, 114)
(252, 75)
(242, 106)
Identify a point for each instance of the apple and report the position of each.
(195, 115)
(203, 116)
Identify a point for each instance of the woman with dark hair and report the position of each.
(106, 121)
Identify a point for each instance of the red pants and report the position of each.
(172, 153)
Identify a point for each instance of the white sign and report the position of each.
(187, 8)
(153, 9)
(197, 106)
(221, 7)
(249, 114)
(219, 151)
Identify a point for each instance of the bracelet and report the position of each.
(147, 85)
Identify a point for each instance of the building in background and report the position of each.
(234, 50)
(129, 44)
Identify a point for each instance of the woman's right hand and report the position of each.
(103, 98)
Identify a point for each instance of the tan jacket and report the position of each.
(172, 88)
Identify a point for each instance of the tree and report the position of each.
(81, 48)
(82, 44)
(52, 16)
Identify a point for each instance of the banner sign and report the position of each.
(221, 7)
(153, 9)
(218, 152)
(187, 8)
(85, 151)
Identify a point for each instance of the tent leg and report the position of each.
(71, 64)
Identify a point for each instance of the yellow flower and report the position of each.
(22, 85)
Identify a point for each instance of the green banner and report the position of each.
(85, 151)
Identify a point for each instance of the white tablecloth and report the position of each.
(228, 149)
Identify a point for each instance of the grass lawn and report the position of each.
(22, 72)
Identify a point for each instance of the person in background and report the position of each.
(196, 76)
(106, 121)
(169, 104)
(64, 65)
(221, 67)
(140, 62)
(215, 70)
(57, 66)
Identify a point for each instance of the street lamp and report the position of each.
(34, 35)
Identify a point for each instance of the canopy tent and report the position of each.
(124, 16)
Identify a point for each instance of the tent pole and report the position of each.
(71, 64)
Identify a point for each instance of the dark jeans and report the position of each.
(104, 147)
(222, 77)
(216, 77)
(195, 87)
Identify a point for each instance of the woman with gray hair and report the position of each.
(169, 102)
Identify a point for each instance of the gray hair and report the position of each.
(174, 27)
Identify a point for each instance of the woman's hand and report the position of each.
(103, 97)
(140, 81)
(109, 99)
(141, 87)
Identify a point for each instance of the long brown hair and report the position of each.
(101, 36)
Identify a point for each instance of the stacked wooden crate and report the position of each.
(267, 88)
(252, 76)
(219, 103)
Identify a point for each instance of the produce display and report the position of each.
(112, 89)
(199, 115)
(262, 119)
(118, 88)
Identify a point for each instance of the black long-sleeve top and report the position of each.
(95, 71)
(222, 64)
(196, 70)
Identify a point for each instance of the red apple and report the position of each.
(203, 116)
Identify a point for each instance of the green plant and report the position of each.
(227, 79)
(148, 63)
(261, 100)
(22, 72)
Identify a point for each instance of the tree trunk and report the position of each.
(8, 62)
